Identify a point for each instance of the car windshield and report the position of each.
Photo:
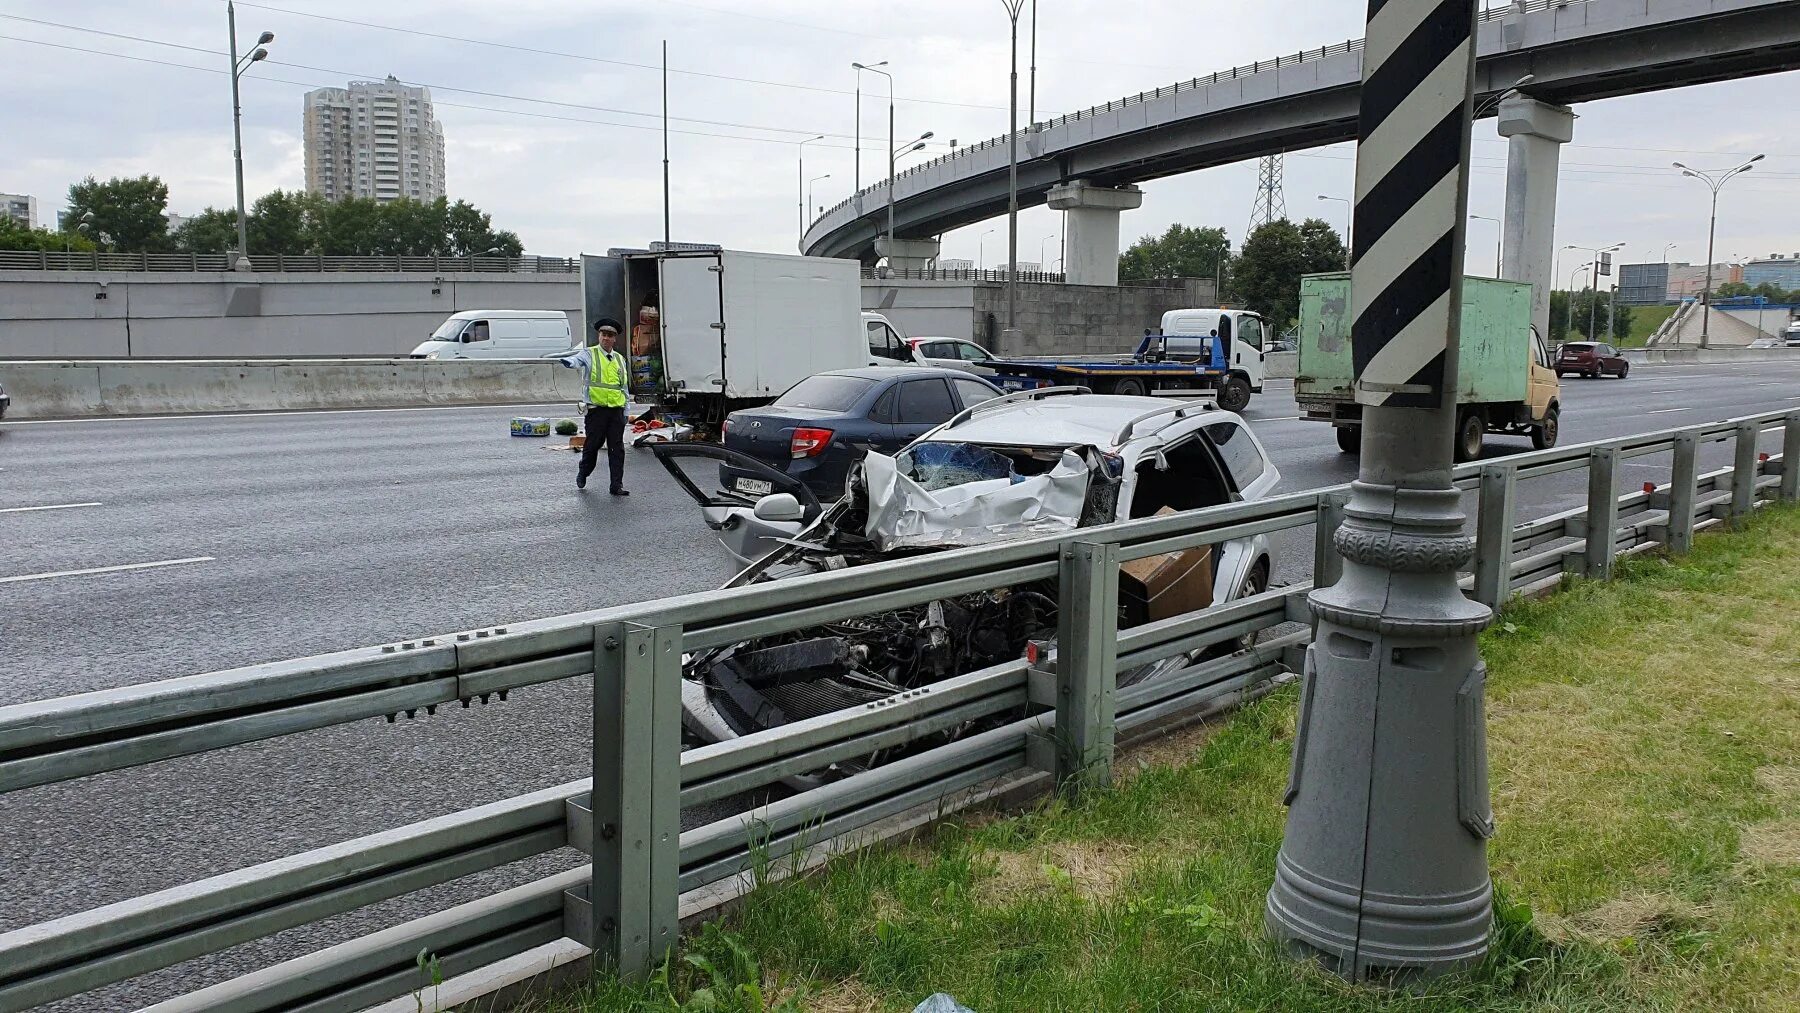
(448, 330)
(825, 392)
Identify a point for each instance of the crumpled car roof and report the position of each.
(1067, 421)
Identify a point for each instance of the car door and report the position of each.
(1247, 350)
(1542, 387)
(973, 358)
(942, 354)
(885, 347)
(920, 405)
(1615, 362)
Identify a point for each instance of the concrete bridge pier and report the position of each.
(907, 254)
(1535, 133)
(1092, 229)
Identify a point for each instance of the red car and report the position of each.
(1590, 359)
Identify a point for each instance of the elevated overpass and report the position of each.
(1576, 50)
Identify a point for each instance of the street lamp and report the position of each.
(1349, 222)
(1524, 80)
(1569, 311)
(860, 67)
(1041, 242)
(800, 176)
(1012, 175)
(890, 186)
(238, 67)
(1499, 235)
(809, 187)
(1713, 180)
(1666, 250)
(981, 250)
(1594, 281)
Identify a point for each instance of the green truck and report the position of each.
(1505, 383)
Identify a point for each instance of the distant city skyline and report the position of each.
(373, 139)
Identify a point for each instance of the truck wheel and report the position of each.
(1349, 439)
(1544, 436)
(1234, 394)
(1130, 387)
(1471, 428)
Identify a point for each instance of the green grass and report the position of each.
(1645, 741)
(1644, 322)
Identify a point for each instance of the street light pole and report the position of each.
(981, 250)
(1349, 223)
(890, 185)
(800, 197)
(1569, 316)
(1712, 226)
(1041, 243)
(241, 261)
(1012, 174)
(860, 67)
(809, 188)
(1499, 237)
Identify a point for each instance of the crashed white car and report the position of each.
(1034, 463)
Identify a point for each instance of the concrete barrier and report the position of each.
(1689, 356)
(71, 389)
(1280, 365)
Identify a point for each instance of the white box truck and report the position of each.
(710, 330)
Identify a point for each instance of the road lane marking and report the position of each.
(280, 414)
(1671, 390)
(1284, 418)
(1665, 411)
(105, 569)
(56, 506)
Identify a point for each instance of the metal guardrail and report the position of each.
(999, 275)
(1060, 717)
(1245, 70)
(290, 263)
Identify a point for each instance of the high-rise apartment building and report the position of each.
(20, 207)
(373, 139)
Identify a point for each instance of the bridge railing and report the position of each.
(80, 260)
(1494, 13)
(1040, 721)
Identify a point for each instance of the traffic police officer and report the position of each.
(605, 370)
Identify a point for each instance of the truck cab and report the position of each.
(1244, 334)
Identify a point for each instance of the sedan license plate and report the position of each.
(753, 486)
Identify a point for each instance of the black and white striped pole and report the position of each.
(1383, 870)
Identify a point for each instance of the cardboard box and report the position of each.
(1165, 585)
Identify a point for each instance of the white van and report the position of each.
(499, 334)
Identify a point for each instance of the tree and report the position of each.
(129, 215)
(14, 236)
(1730, 290)
(283, 222)
(210, 231)
(1181, 252)
(1266, 274)
(1585, 299)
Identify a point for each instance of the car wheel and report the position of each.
(1234, 394)
(1129, 387)
(1544, 436)
(1624, 367)
(1349, 439)
(1471, 429)
(1255, 583)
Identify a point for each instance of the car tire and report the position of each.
(1623, 369)
(1131, 386)
(1349, 439)
(1471, 431)
(1233, 395)
(1543, 435)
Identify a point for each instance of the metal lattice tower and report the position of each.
(1270, 206)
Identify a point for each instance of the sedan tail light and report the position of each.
(809, 442)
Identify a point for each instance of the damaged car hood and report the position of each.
(944, 495)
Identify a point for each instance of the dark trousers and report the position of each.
(604, 425)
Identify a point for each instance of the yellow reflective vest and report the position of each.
(606, 378)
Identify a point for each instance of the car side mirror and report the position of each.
(781, 506)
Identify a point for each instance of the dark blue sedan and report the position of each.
(828, 421)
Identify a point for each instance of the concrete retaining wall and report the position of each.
(1693, 356)
(1053, 319)
(133, 315)
(71, 389)
(1280, 365)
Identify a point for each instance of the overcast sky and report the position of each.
(566, 173)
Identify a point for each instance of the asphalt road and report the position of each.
(285, 535)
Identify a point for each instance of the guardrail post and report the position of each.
(1743, 470)
(1495, 503)
(1602, 513)
(1790, 458)
(637, 796)
(1328, 566)
(1682, 478)
(1087, 652)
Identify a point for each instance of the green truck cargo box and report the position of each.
(1495, 347)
